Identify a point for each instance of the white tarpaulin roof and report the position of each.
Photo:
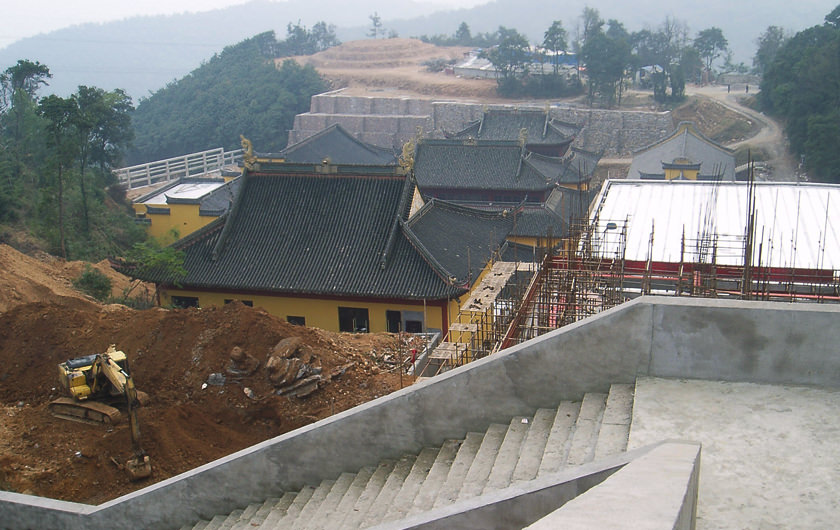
(186, 190)
(797, 225)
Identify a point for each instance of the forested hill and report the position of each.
(239, 91)
(802, 87)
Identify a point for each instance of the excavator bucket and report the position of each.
(138, 467)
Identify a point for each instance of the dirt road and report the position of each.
(770, 138)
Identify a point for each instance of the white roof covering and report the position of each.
(186, 190)
(797, 225)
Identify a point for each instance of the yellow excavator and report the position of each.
(94, 383)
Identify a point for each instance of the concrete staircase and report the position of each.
(528, 447)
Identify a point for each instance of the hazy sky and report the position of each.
(27, 18)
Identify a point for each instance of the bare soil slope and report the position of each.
(172, 354)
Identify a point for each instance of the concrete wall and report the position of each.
(663, 337)
(658, 490)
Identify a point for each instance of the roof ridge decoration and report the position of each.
(408, 190)
(249, 159)
(481, 121)
(231, 215)
(547, 118)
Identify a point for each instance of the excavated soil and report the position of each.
(172, 353)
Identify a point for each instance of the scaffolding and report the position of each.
(483, 318)
(591, 273)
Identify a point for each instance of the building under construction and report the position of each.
(754, 241)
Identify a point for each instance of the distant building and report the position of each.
(534, 127)
(185, 205)
(496, 171)
(684, 155)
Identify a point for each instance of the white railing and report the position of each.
(178, 167)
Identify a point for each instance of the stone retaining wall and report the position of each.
(391, 121)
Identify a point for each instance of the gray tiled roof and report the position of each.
(323, 234)
(506, 124)
(341, 147)
(477, 165)
(461, 239)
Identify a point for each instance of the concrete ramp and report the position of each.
(770, 457)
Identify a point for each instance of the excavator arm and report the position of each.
(137, 466)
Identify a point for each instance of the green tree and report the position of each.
(591, 23)
(833, 18)
(554, 40)
(606, 62)
(768, 45)
(324, 36)
(376, 28)
(19, 85)
(59, 113)
(463, 37)
(711, 44)
(150, 259)
(509, 58)
(802, 87)
(102, 125)
(93, 283)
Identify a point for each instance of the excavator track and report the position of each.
(91, 412)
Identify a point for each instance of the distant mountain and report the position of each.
(143, 54)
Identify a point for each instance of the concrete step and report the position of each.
(231, 520)
(587, 427)
(508, 456)
(311, 507)
(559, 439)
(392, 486)
(371, 491)
(404, 499)
(284, 518)
(483, 464)
(216, 522)
(267, 518)
(345, 506)
(318, 519)
(430, 488)
(247, 514)
(615, 425)
(573, 434)
(458, 472)
(260, 513)
(533, 446)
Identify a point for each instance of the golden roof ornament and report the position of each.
(248, 156)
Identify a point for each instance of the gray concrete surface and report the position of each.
(657, 491)
(669, 337)
(770, 454)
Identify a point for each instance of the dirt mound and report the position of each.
(397, 65)
(372, 54)
(173, 355)
(719, 123)
(25, 279)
